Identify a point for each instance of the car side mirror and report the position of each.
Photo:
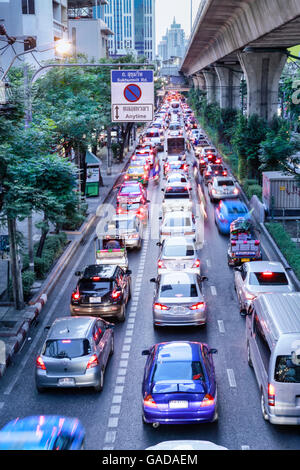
(78, 273)
(128, 271)
(47, 327)
(147, 200)
(213, 351)
(145, 352)
(160, 218)
(204, 278)
(158, 244)
(152, 279)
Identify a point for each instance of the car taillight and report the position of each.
(202, 161)
(267, 274)
(224, 173)
(236, 191)
(148, 401)
(233, 243)
(257, 242)
(185, 167)
(116, 294)
(161, 264)
(76, 296)
(93, 362)
(40, 363)
(196, 264)
(158, 306)
(126, 177)
(214, 191)
(271, 395)
(96, 278)
(218, 160)
(197, 306)
(208, 400)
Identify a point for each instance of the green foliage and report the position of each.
(252, 188)
(276, 149)
(28, 279)
(288, 248)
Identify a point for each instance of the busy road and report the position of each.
(113, 418)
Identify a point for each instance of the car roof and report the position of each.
(70, 327)
(261, 266)
(170, 215)
(175, 241)
(223, 178)
(232, 204)
(176, 277)
(37, 432)
(128, 216)
(178, 350)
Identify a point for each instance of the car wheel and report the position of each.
(249, 355)
(99, 386)
(121, 318)
(112, 346)
(263, 407)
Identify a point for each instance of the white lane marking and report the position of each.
(221, 326)
(118, 390)
(231, 378)
(115, 410)
(1, 405)
(245, 447)
(113, 422)
(120, 380)
(110, 437)
(117, 399)
(208, 262)
(213, 290)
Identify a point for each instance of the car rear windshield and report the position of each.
(210, 151)
(237, 210)
(268, 279)
(127, 206)
(70, 348)
(152, 134)
(90, 285)
(182, 194)
(178, 222)
(286, 370)
(178, 250)
(177, 179)
(178, 290)
(136, 169)
(177, 370)
(123, 224)
(226, 183)
(130, 189)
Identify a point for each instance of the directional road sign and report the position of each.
(132, 95)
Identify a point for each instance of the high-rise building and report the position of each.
(133, 25)
(173, 44)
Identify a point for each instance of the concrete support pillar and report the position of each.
(195, 81)
(262, 71)
(201, 81)
(229, 83)
(212, 87)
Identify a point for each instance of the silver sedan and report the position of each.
(178, 254)
(222, 187)
(178, 300)
(257, 277)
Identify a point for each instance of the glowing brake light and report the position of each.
(96, 278)
(208, 400)
(218, 160)
(93, 362)
(116, 294)
(148, 401)
(158, 306)
(75, 296)
(236, 191)
(271, 395)
(199, 305)
(267, 273)
(40, 363)
(161, 264)
(250, 296)
(196, 263)
(257, 242)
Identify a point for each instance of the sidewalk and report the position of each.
(14, 325)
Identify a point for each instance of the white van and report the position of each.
(273, 350)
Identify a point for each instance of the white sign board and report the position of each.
(132, 95)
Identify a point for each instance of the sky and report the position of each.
(167, 9)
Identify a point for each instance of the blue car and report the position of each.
(42, 433)
(179, 385)
(228, 211)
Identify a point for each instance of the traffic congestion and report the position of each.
(175, 191)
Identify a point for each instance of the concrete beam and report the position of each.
(262, 71)
(212, 86)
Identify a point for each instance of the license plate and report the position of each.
(179, 266)
(95, 300)
(245, 260)
(66, 382)
(176, 404)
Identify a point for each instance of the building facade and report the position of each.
(43, 20)
(133, 25)
(172, 46)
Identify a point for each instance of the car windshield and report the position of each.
(177, 371)
(237, 210)
(226, 183)
(268, 279)
(178, 290)
(122, 224)
(130, 189)
(178, 222)
(91, 285)
(177, 179)
(178, 250)
(70, 348)
(286, 370)
(137, 169)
